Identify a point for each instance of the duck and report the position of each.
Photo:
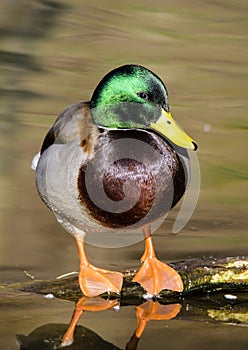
(113, 163)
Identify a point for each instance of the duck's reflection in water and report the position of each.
(148, 311)
(151, 310)
(79, 337)
(86, 304)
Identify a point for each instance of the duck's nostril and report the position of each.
(195, 146)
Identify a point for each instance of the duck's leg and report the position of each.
(153, 274)
(92, 280)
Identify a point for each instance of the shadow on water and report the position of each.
(49, 337)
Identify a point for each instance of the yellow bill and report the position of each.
(167, 126)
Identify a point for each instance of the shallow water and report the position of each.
(53, 54)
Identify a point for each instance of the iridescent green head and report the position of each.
(132, 96)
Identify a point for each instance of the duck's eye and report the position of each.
(143, 95)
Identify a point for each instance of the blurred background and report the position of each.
(53, 53)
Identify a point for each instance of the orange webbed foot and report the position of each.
(94, 281)
(155, 275)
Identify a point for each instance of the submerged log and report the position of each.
(200, 276)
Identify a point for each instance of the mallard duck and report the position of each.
(111, 135)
